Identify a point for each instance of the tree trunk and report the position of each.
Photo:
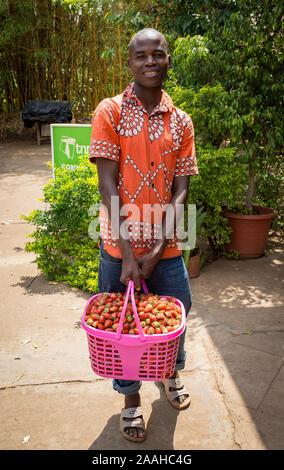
(250, 191)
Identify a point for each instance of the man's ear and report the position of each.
(129, 62)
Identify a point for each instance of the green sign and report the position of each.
(68, 142)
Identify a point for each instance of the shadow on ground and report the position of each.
(160, 428)
(241, 304)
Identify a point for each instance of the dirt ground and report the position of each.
(51, 399)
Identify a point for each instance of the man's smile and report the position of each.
(151, 73)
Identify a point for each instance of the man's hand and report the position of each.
(147, 264)
(130, 271)
(130, 268)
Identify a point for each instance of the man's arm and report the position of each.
(108, 173)
(170, 221)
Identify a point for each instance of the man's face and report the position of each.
(149, 60)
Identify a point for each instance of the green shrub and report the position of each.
(223, 171)
(269, 187)
(64, 250)
(191, 61)
(207, 108)
(220, 183)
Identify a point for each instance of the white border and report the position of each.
(51, 138)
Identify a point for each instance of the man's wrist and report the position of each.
(125, 248)
(158, 249)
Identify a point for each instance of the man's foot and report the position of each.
(135, 432)
(181, 398)
(176, 393)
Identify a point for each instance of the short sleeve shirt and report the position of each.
(151, 149)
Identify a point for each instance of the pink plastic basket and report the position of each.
(133, 357)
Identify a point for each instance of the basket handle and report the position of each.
(143, 283)
(130, 290)
(137, 319)
(119, 328)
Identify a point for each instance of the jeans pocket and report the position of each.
(107, 257)
(110, 272)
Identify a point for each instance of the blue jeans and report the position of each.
(169, 277)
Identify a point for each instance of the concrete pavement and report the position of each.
(48, 392)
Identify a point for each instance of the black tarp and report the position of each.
(56, 111)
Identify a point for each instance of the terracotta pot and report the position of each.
(193, 267)
(250, 232)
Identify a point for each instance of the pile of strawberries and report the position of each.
(158, 315)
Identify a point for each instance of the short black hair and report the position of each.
(145, 31)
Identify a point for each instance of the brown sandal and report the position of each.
(173, 394)
(132, 413)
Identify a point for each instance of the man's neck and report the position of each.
(150, 97)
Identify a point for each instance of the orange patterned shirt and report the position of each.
(151, 150)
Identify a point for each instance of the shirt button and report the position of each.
(152, 163)
(152, 185)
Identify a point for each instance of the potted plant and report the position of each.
(194, 257)
(249, 231)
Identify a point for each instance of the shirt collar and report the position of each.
(165, 105)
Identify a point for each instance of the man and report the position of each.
(144, 150)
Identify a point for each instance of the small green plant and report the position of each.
(64, 250)
(232, 254)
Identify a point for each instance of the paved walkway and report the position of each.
(48, 392)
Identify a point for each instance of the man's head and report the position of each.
(148, 58)
(149, 33)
